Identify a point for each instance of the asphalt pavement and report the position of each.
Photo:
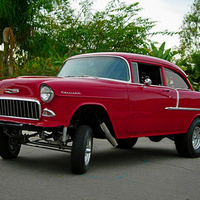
(147, 171)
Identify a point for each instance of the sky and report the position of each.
(168, 14)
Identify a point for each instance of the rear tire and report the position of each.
(188, 145)
(9, 147)
(126, 143)
(81, 149)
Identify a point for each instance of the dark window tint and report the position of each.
(149, 71)
(174, 80)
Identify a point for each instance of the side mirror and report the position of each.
(147, 82)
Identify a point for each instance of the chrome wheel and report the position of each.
(88, 151)
(188, 144)
(196, 138)
(81, 149)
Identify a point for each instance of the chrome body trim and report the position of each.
(9, 113)
(177, 99)
(52, 114)
(11, 91)
(182, 108)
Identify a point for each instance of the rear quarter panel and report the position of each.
(189, 109)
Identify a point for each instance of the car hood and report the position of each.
(29, 87)
(22, 86)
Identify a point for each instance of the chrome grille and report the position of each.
(17, 108)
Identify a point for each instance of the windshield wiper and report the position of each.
(88, 76)
(67, 76)
(82, 76)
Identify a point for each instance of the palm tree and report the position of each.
(160, 52)
(17, 19)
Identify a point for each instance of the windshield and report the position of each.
(101, 67)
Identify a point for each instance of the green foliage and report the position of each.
(118, 28)
(191, 66)
(48, 31)
(20, 16)
(189, 45)
(40, 66)
(63, 32)
(160, 52)
(190, 30)
(194, 73)
(36, 66)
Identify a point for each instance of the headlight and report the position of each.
(46, 93)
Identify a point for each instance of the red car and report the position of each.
(118, 96)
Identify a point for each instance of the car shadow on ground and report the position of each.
(131, 157)
(40, 160)
(107, 157)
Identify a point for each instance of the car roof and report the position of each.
(133, 56)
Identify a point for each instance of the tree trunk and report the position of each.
(9, 44)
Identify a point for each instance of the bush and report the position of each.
(35, 67)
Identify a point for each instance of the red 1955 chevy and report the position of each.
(116, 96)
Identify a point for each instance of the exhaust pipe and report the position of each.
(108, 135)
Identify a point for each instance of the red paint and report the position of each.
(134, 110)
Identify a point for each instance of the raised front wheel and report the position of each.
(81, 149)
(188, 145)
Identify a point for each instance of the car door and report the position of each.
(147, 103)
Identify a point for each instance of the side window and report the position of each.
(174, 80)
(141, 71)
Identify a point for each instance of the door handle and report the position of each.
(166, 90)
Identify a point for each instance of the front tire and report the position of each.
(188, 145)
(81, 149)
(9, 147)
